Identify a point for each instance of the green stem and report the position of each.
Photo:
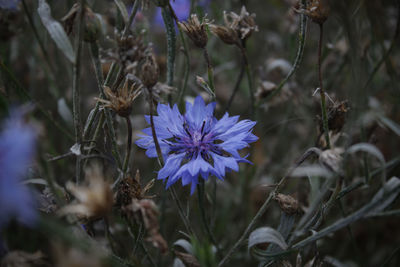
(129, 144)
(171, 42)
(200, 196)
(300, 52)
(249, 75)
(210, 72)
(321, 89)
(161, 162)
(131, 18)
(236, 88)
(76, 102)
(187, 69)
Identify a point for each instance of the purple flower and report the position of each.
(9, 4)
(196, 144)
(17, 147)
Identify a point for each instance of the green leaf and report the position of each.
(56, 31)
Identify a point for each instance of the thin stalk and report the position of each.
(187, 69)
(321, 89)
(161, 162)
(171, 42)
(247, 68)
(99, 77)
(129, 144)
(131, 18)
(153, 130)
(300, 51)
(76, 90)
(236, 88)
(263, 208)
(200, 196)
(210, 72)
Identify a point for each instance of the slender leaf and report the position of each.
(122, 8)
(266, 235)
(388, 192)
(56, 31)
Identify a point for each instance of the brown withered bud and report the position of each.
(122, 99)
(287, 203)
(226, 34)
(131, 188)
(150, 71)
(196, 30)
(91, 21)
(244, 24)
(318, 10)
(131, 51)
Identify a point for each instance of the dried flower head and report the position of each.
(131, 51)
(226, 34)
(196, 30)
(244, 24)
(122, 99)
(94, 200)
(318, 10)
(150, 71)
(130, 188)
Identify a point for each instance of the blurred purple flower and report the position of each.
(9, 4)
(17, 147)
(181, 8)
(196, 143)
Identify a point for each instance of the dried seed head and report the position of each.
(93, 200)
(130, 188)
(226, 34)
(150, 71)
(131, 51)
(122, 99)
(244, 24)
(318, 11)
(287, 203)
(196, 30)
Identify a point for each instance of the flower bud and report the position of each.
(150, 72)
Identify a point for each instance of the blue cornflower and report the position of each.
(9, 4)
(196, 144)
(17, 147)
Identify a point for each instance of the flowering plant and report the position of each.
(196, 144)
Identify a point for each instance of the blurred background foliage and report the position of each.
(361, 73)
